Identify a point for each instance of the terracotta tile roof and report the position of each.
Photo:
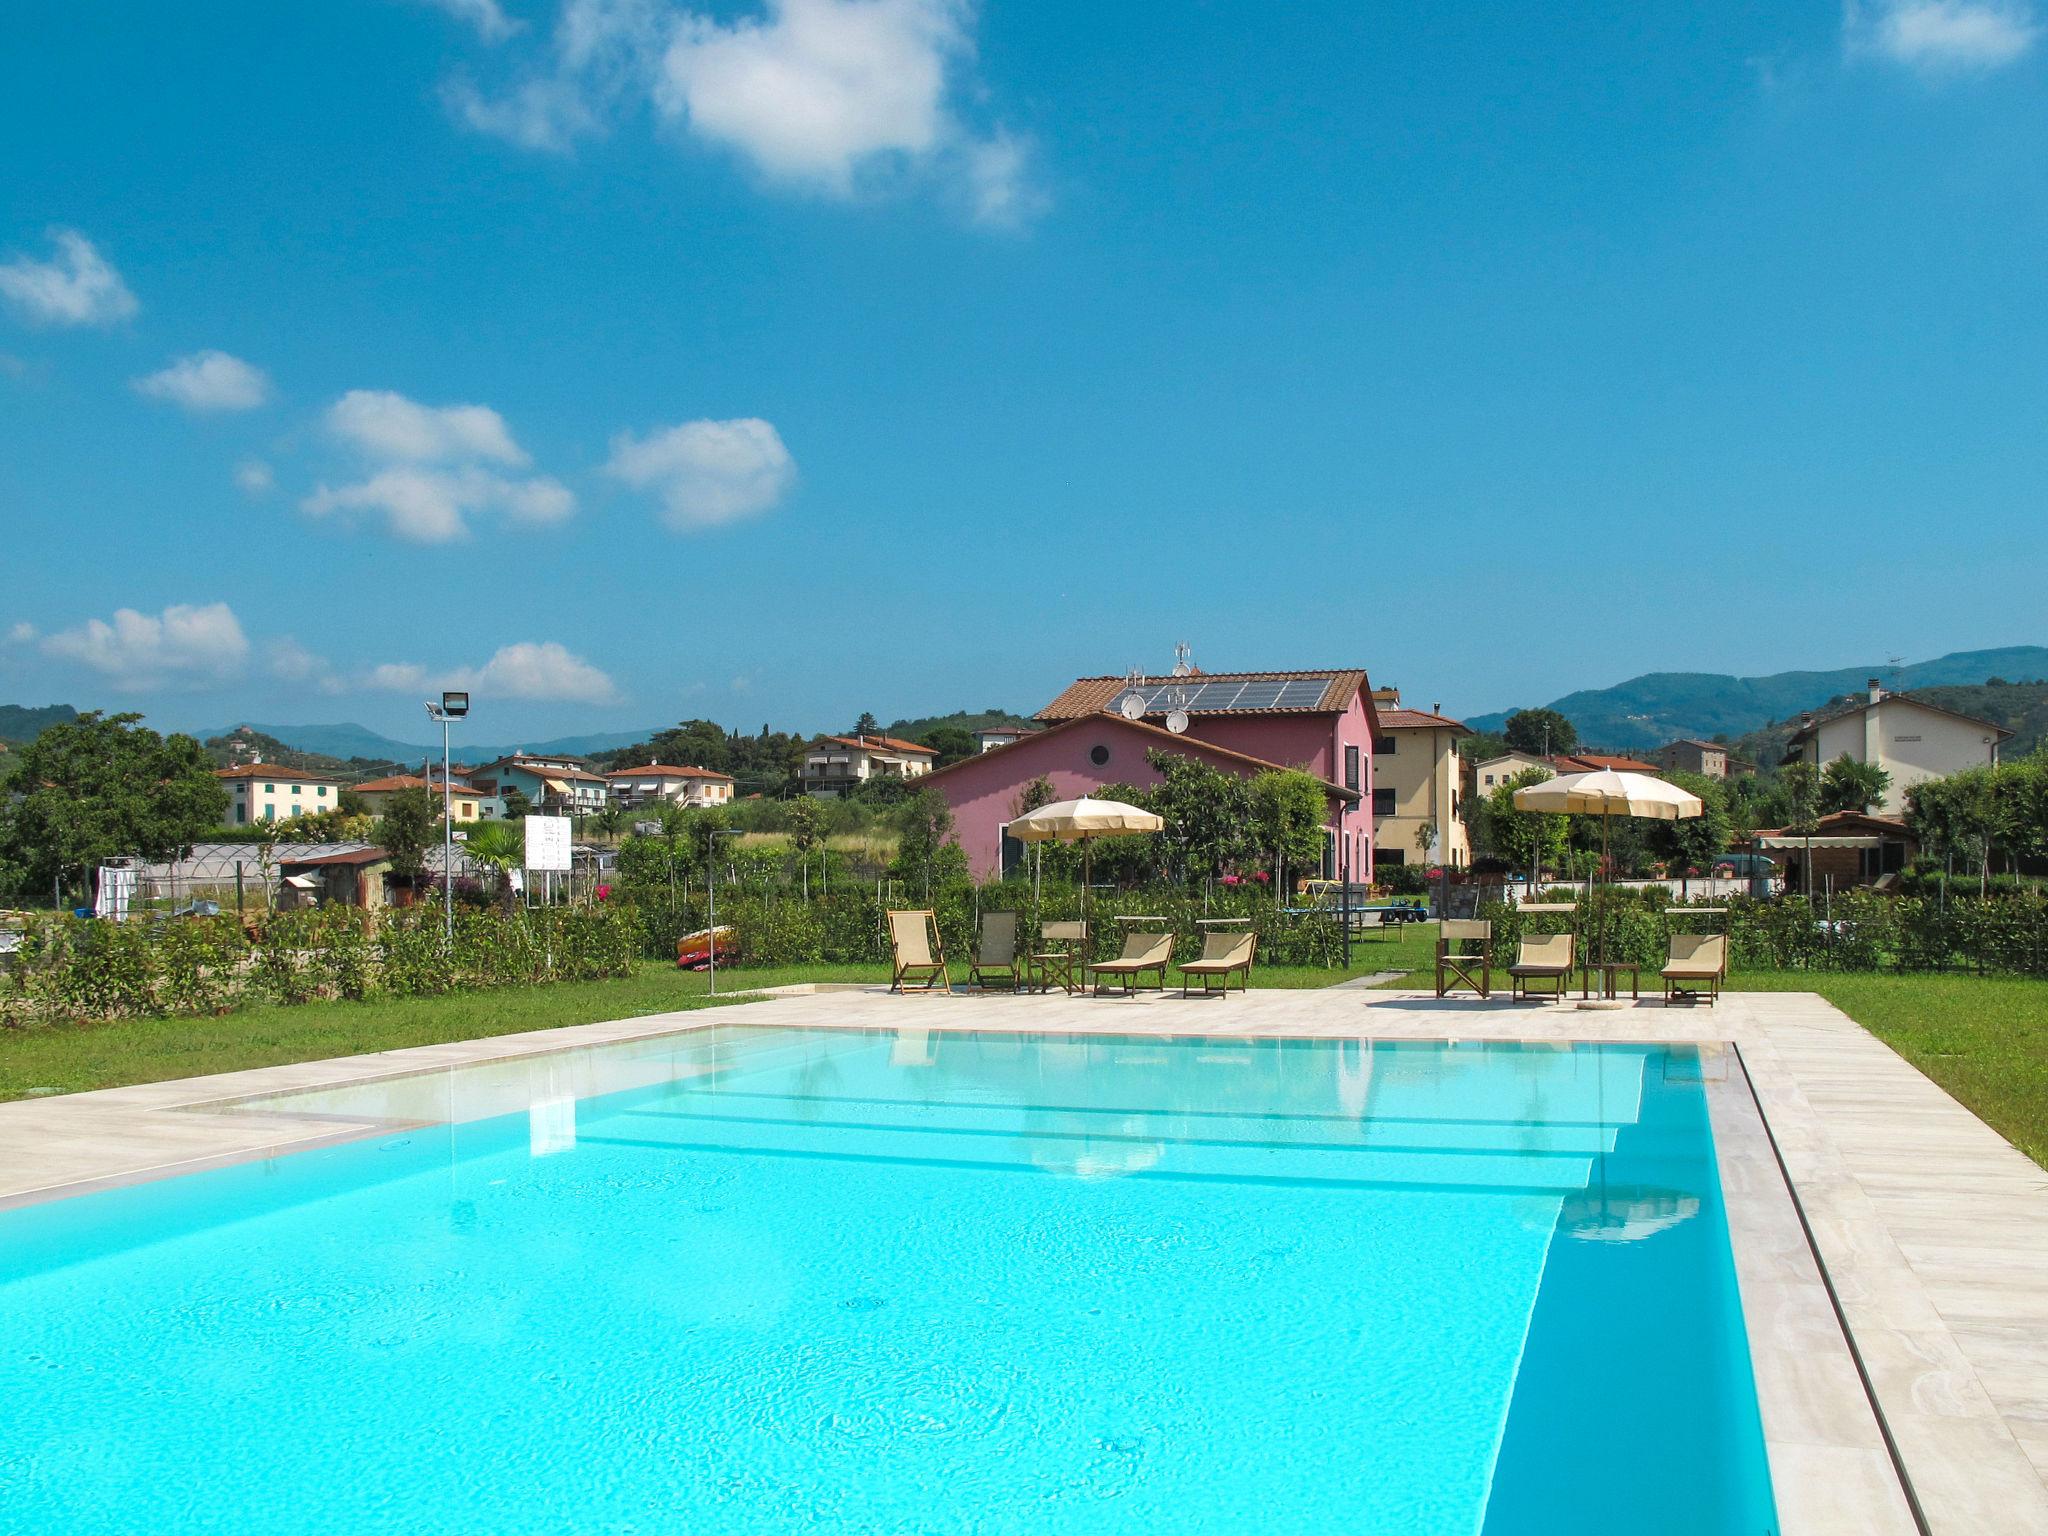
(1095, 695)
(274, 771)
(409, 781)
(542, 768)
(666, 771)
(1594, 762)
(1192, 745)
(1397, 719)
(877, 744)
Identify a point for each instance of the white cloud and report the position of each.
(427, 468)
(431, 506)
(487, 17)
(706, 473)
(1942, 36)
(255, 478)
(386, 425)
(22, 633)
(188, 644)
(833, 96)
(816, 88)
(209, 381)
(287, 659)
(78, 286)
(538, 670)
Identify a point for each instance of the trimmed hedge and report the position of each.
(850, 925)
(1855, 931)
(71, 968)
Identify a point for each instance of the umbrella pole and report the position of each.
(1087, 930)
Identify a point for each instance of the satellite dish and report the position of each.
(1131, 705)
(1177, 721)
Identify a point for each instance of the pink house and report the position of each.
(1240, 722)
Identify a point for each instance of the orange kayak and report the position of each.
(693, 950)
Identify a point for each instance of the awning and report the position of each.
(1795, 842)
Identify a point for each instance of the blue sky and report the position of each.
(629, 360)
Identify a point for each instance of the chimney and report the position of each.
(1876, 692)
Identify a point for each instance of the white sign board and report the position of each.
(547, 844)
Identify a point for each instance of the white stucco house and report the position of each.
(1909, 739)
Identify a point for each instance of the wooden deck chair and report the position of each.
(1142, 952)
(1543, 957)
(1223, 955)
(914, 940)
(1462, 945)
(995, 957)
(1700, 959)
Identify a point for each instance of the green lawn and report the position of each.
(71, 1058)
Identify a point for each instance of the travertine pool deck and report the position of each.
(1932, 1230)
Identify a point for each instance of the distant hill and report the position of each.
(2021, 707)
(19, 722)
(1657, 707)
(349, 740)
(245, 744)
(967, 720)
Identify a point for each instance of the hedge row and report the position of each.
(850, 926)
(1855, 931)
(72, 969)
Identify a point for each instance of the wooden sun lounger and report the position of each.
(914, 941)
(1543, 957)
(1223, 955)
(1700, 959)
(995, 958)
(1142, 952)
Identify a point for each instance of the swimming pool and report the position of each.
(748, 1279)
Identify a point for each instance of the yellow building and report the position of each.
(271, 792)
(1417, 786)
(464, 802)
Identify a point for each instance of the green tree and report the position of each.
(1522, 840)
(925, 855)
(500, 847)
(806, 820)
(953, 744)
(1209, 814)
(1697, 841)
(609, 823)
(517, 806)
(1847, 785)
(411, 824)
(1542, 731)
(101, 787)
(1289, 812)
(1801, 785)
(865, 725)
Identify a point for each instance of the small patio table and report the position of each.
(1610, 979)
(1053, 968)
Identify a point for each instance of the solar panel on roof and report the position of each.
(1223, 695)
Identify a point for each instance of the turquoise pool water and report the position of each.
(756, 1280)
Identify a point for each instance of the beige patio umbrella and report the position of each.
(1609, 792)
(1083, 821)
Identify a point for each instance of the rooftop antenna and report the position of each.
(1898, 664)
(1183, 660)
(1132, 704)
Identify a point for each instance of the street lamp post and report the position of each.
(711, 917)
(453, 706)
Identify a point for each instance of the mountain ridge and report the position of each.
(1657, 707)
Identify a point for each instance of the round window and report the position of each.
(1098, 755)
